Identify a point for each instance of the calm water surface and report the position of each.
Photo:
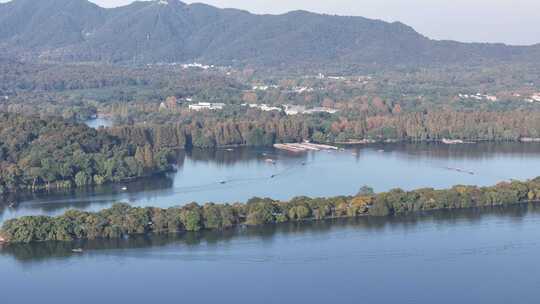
(247, 173)
(461, 257)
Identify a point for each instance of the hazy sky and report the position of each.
(509, 21)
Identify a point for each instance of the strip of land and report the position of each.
(122, 220)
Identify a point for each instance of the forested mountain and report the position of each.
(171, 31)
(49, 23)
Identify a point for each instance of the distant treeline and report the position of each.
(209, 130)
(123, 220)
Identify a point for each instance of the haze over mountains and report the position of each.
(172, 31)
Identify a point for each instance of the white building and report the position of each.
(196, 65)
(336, 77)
(264, 87)
(206, 106)
(301, 90)
(295, 110)
(321, 110)
(267, 108)
(260, 88)
(264, 107)
(479, 97)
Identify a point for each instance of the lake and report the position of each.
(467, 256)
(243, 173)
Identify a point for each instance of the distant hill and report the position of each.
(172, 31)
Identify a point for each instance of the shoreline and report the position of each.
(70, 186)
(365, 141)
(54, 189)
(123, 220)
(53, 249)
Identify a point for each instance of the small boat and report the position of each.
(124, 188)
(229, 150)
(272, 176)
(270, 161)
(77, 250)
(223, 182)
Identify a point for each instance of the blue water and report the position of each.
(470, 256)
(463, 257)
(247, 174)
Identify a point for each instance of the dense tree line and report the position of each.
(209, 130)
(253, 128)
(435, 125)
(124, 220)
(40, 154)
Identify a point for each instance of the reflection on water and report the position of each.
(477, 151)
(223, 175)
(469, 256)
(33, 253)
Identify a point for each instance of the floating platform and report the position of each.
(304, 147)
(455, 141)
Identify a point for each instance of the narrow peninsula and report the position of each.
(123, 220)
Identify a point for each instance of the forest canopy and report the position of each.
(54, 153)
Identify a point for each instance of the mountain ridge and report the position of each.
(173, 31)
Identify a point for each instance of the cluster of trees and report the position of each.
(252, 128)
(397, 201)
(124, 220)
(38, 154)
(210, 130)
(435, 125)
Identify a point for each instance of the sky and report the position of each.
(506, 21)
